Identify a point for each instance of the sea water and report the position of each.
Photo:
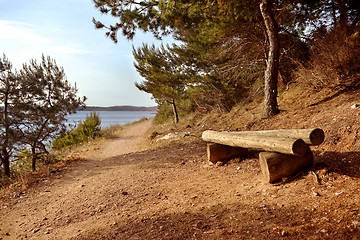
(111, 118)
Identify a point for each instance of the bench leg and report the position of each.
(275, 166)
(217, 152)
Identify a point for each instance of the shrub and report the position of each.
(88, 129)
(164, 114)
(335, 62)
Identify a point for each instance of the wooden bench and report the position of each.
(286, 151)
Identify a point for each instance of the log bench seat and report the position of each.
(284, 152)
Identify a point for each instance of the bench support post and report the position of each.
(217, 152)
(275, 166)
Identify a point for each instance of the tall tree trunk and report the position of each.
(343, 21)
(272, 62)
(176, 116)
(5, 158)
(333, 12)
(34, 158)
(5, 162)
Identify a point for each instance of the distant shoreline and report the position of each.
(119, 108)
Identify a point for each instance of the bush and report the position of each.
(89, 129)
(164, 114)
(335, 62)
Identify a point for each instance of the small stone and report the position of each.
(219, 163)
(315, 193)
(355, 106)
(284, 233)
(36, 230)
(125, 193)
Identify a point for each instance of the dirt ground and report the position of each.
(122, 189)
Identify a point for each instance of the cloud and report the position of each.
(12, 30)
(24, 35)
(68, 50)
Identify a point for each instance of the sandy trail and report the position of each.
(76, 201)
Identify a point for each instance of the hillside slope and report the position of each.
(172, 192)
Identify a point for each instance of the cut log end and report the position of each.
(299, 147)
(317, 136)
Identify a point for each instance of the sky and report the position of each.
(62, 29)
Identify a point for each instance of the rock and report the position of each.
(36, 230)
(355, 106)
(315, 193)
(169, 136)
(219, 163)
(174, 136)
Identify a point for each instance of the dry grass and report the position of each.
(335, 62)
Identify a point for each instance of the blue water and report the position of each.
(111, 118)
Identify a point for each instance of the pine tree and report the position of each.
(35, 103)
(47, 98)
(10, 113)
(230, 37)
(163, 76)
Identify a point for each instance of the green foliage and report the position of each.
(23, 162)
(88, 129)
(220, 60)
(165, 110)
(35, 103)
(164, 113)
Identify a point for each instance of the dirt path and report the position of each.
(118, 192)
(75, 201)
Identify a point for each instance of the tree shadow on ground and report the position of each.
(233, 221)
(160, 157)
(347, 163)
